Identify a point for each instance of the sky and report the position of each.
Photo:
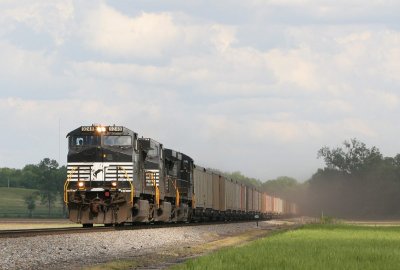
(251, 86)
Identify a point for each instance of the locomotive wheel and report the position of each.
(87, 225)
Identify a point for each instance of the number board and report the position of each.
(87, 128)
(115, 129)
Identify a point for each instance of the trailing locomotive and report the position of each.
(116, 177)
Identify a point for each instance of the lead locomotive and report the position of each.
(116, 177)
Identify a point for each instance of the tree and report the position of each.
(48, 185)
(281, 186)
(354, 157)
(60, 177)
(356, 182)
(30, 203)
(396, 160)
(9, 175)
(238, 176)
(31, 176)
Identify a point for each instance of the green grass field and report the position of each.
(311, 247)
(12, 204)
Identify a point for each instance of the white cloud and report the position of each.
(358, 127)
(309, 12)
(336, 106)
(294, 67)
(51, 17)
(148, 35)
(18, 64)
(383, 100)
(354, 38)
(222, 37)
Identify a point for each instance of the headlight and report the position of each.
(81, 184)
(100, 129)
(114, 184)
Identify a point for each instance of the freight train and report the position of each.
(115, 177)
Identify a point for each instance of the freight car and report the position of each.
(113, 177)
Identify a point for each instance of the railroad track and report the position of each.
(50, 231)
(72, 230)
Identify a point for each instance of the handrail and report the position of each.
(67, 183)
(130, 183)
(177, 199)
(157, 190)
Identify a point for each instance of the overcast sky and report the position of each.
(252, 86)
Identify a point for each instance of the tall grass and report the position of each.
(312, 247)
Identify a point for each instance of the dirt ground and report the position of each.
(16, 224)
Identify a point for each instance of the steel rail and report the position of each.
(49, 231)
(130, 226)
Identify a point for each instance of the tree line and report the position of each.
(356, 182)
(282, 186)
(46, 177)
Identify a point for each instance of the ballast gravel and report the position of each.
(69, 251)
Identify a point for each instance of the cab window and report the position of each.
(153, 152)
(117, 140)
(84, 140)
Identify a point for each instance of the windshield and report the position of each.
(118, 140)
(83, 140)
(153, 152)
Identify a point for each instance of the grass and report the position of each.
(324, 246)
(12, 204)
